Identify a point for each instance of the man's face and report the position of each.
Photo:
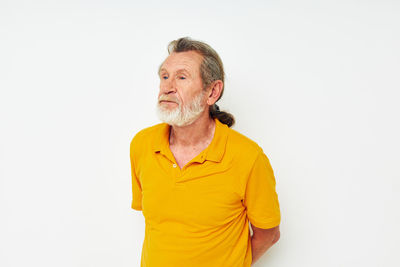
(181, 99)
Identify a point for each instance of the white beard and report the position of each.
(182, 116)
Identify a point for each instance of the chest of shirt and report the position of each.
(201, 195)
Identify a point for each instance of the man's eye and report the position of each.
(182, 77)
(164, 77)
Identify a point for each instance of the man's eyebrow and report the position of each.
(178, 71)
(161, 70)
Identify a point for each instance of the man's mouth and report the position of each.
(167, 101)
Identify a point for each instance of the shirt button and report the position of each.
(174, 165)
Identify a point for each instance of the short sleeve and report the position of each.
(261, 199)
(136, 186)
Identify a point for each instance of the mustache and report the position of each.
(168, 98)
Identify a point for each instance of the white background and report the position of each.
(314, 83)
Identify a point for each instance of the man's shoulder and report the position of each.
(148, 134)
(243, 143)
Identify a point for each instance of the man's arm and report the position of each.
(262, 240)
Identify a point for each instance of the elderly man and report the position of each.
(197, 181)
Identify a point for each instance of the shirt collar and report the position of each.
(214, 152)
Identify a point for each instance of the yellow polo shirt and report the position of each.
(198, 216)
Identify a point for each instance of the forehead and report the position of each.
(189, 60)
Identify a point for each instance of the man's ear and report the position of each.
(214, 92)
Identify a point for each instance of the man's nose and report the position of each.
(168, 86)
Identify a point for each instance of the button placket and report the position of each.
(176, 172)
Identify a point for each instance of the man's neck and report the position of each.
(197, 133)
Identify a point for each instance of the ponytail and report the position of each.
(222, 116)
